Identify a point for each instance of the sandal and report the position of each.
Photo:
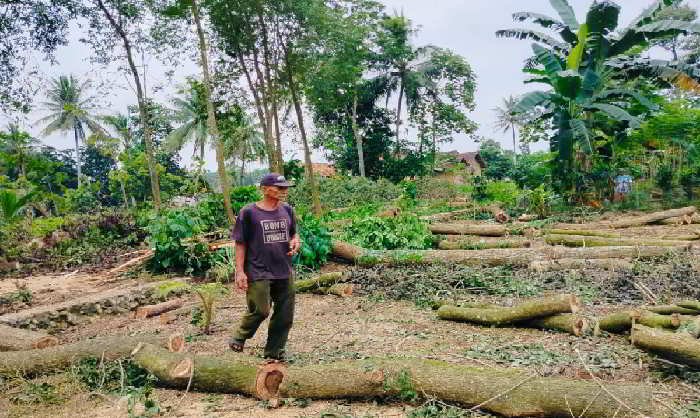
(235, 346)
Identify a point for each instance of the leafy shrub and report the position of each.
(42, 227)
(435, 188)
(208, 293)
(84, 199)
(539, 201)
(502, 191)
(401, 232)
(241, 196)
(176, 247)
(532, 170)
(666, 178)
(316, 243)
(340, 192)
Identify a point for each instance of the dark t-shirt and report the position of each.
(266, 234)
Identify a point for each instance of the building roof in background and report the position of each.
(324, 169)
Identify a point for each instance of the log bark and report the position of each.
(682, 220)
(320, 281)
(508, 392)
(670, 309)
(594, 241)
(444, 216)
(486, 230)
(677, 347)
(535, 308)
(148, 311)
(476, 244)
(620, 322)
(653, 217)
(568, 323)
(584, 232)
(518, 257)
(563, 264)
(16, 339)
(30, 362)
(690, 304)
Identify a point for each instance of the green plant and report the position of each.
(437, 409)
(340, 192)
(316, 242)
(502, 191)
(208, 293)
(241, 196)
(223, 265)
(539, 201)
(518, 355)
(401, 232)
(403, 384)
(176, 246)
(37, 393)
(83, 199)
(111, 376)
(11, 205)
(42, 227)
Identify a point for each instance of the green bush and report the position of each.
(401, 232)
(241, 196)
(173, 237)
(503, 191)
(340, 192)
(435, 188)
(316, 243)
(42, 227)
(84, 199)
(538, 201)
(532, 170)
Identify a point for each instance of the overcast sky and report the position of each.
(465, 26)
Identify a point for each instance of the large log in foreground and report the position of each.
(15, 339)
(653, 217)
(20, 363)
(508, 392)
(534, 308)
(678, 347)
(594, 241)
(487, 230)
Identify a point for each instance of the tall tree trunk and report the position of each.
(515, 146)
(315, 198)
(358, 137)
(398, 116)
(143, 112)
(271, 94)
(211, 117)
(77, 153)
(126, 200)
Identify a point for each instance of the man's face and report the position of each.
(276, 192)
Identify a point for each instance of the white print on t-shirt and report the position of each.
(275, 231)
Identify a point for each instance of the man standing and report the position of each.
(266, 239)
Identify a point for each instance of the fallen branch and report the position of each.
(677, 347)
(535, 308)
(148, 311)
(492, 389)
(16, 339)
(320, 281)
(30, 362)
(620, 322)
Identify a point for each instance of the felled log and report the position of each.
(147, 311)
(486, 230)
(15, 339)
(499, 215)
(682, 220)
(320, 281)
(507, 392)
(689, 304)
(677, 347)
(568, 323)
(584, 232)
(535, 308)
(341, 289)
(476, 244)
(670, 309)
(444, 216)
(620, 322)
(139, 260)
(527, 217)
(593, 241)
(652, 217)
(30, 362)
(580, 264)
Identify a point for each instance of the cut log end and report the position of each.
(176, 343)
(575, 304)
(268, 380)
(183, 369)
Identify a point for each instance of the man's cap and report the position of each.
(274, 179)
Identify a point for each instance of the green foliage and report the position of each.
(37, 393)
(436, 409)
(389, 233)
(666, 178)
(241, 196)
(42, 227)
(435, 188)
(208, 293)
(502, 191)
(223, 265)
(532, 170)
(518, 355)
(294, 170)
(340, 192)
(173, 237)
(499, 163)
(11, 205)
(316, 242)
(111, 376)
(538, 201)
(83, 199)
(403, 384)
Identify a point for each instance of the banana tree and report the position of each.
(590, 72)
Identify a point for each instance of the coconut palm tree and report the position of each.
(507, 120)
(119, 124)
(71, 108)
(191, 112)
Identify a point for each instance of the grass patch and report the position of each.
(518, 355)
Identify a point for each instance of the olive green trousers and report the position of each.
(262, 297)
